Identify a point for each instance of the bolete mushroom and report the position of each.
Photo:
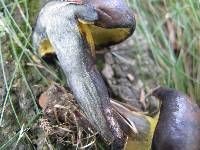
(72, 30)
(177, 126)
(115, 24)
(179, 122)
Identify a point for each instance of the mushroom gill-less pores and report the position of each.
(178, 127)
(115, 23)
(65, 28)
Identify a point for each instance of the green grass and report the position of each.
(178, 55)
(180, 70)
(18, 36)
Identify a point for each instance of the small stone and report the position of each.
(119, 73)
(43, 100)
(130, 77)
(108, 72)
(109, 58)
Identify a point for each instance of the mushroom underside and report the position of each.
(101, 37)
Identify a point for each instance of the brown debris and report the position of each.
(63, 119)
(142, 99)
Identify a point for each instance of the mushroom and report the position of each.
(179, 122)
(73, 29)
(176, 126)
(115, 24)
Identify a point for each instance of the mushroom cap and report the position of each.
(179, 121)
(115, 24)
(113, 14)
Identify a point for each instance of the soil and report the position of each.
(127, 71)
